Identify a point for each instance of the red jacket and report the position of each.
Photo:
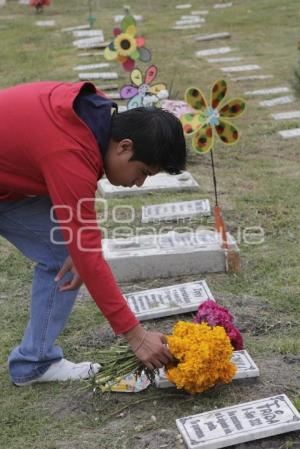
(46, 149)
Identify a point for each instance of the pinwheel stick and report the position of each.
(219, 222)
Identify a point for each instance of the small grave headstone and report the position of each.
(45, 23)
(161, 182)
(184, 6)
(204, 12)
(174, 211)
(229, 59)
(167, 254)
(113, 95)
(105, 87)
(213, 51)
(98, 76)
(269, 91)
(222, 5)
(241, 68)
(239, 423)
(167, 301)
(246, 368)
(290, 133)
(95, 54)
(89, 33)
(192, 19)
(2, 2)
(286, 115)
(90, 42)
(101, 65)
(118, 18)
(122, 108)
(252, 78)
(277, 101)
(78, 27)
(187, 26)
(212, 37)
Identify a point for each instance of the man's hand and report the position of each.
(150, 347)
(75, 283)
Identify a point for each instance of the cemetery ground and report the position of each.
(259, 184)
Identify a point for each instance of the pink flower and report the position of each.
(214, 315)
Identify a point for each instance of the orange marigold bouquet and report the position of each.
(203, 356)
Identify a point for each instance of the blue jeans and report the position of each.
(27, 225)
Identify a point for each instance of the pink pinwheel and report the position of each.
(141, 88)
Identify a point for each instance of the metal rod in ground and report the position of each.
(214, 177)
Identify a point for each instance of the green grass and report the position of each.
(259, 185)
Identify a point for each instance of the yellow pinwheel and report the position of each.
(208, 119)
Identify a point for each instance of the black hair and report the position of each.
(157, 137)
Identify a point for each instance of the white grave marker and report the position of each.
(91, 53)
(212, 37)
(239, 423)
(98, 76)
(186, 26)
(167, 301)
(101, 65)
(122, 108)
(204, 12)
(184, 6)
(229, 59)
(119, 18)
(167, 254)
(2, 2)
(174, 211)
(213, 51)
(113, 95)
(161, 182)
(192, 19)
(241, 68)
(45, 23)
(89, 33)
(79, 27)
(270, 91)
(90, 42)
(277, 101)
(253, 78)
(290, 133)
(246, 368)
(104, 87)
(222, 5)
(286, 115)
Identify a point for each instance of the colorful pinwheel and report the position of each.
(126, 48)
(140, 91)
(206, 119)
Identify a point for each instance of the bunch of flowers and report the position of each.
(203, 356)
(39, 4)
(214, 315)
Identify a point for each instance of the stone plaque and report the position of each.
(213, 51)
(184, 6)
(277, 101)
(290, 133)
(239, 423)
(229, 59)
(253, 78)
(203, 12)
(45, 23)
(167, 254)
(122, 108)
(189, 22)
(286, 115)
(212, 37)
(222, 5)
(98, 76)
(90, 42)
(241, 68)
(174, 211)
(166, 301)
(187, 26)
(89, 33)
(270, 91)
(113, 95)
(79, 27)
(101, 65)
(246, 368)
(192, 18)
(161, 182)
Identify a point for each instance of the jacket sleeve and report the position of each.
(71, 181)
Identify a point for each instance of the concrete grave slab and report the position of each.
(183, 6)
(187, 26)
(241, 68)
(212, 37)
(246, 368)
(167, 301)
(286, 115)
(98, 76)
(252, 78)
(167, 254)
(118, 18)
(290, 133)
(222, 5)
(193, 19)
(229, 59)
(122, 108)
(161, 182)
(108, 86)
(174, 211)
(90, 42)
(277, 101)
(113, 95)
(95, 54)
(213, 51)
(239, 423)
(188, 22)
(101, 65)
(269, 91)
(78, 27)
(89, 33)
(203, 12)
(45, 23)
